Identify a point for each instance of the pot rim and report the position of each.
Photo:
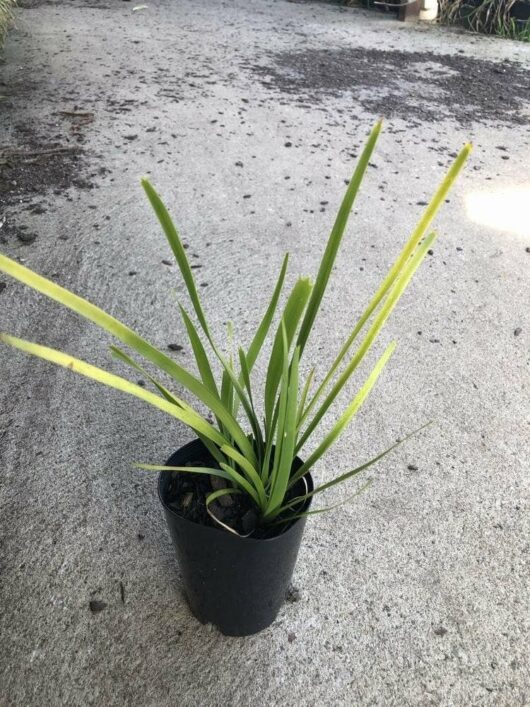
(236, 537)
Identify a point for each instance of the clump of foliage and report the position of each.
(255, 452)
(485, 16)
(6, 16)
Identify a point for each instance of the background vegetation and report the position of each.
(6, 15)
(486, 16)
(506, 18)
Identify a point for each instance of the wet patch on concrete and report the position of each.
(37, 163)
(33, 165)
(418, 87)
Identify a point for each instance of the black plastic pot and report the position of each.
(238, 584)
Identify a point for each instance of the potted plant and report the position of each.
(237, 497)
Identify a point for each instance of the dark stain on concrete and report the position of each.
(416, 86)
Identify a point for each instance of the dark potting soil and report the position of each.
(186, 495)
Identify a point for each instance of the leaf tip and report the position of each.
(391, 348)
(147, 186)
(464, 153)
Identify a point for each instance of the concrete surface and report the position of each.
(417, 594)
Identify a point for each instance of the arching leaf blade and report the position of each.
(127, 336)
(187, 416)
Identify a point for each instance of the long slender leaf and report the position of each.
(221, 492)
(349, 474)
(227, 387)
(125, 358)
(347, 415)
(249, 410)
(225, 472)
(178, 250)
(122, 356)
(130, 338)
(211, 471)
(292, 313)
(288, 428)
(228, 380)
(227, 392)
(201, 358)
(250, 472)
(342, 502)
(245, 375)
(281, 407)
(266, 464)
(374, 460)
(263, 329)
(414, 240)
(303, 397)
(397, 290)
(335, 238)
(242, 482)
(256, 428)
(189, 417)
